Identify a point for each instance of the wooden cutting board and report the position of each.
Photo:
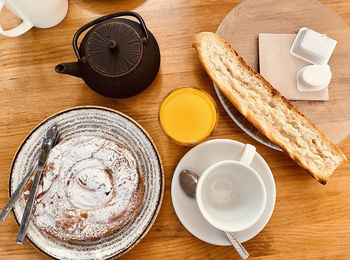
(243, 24)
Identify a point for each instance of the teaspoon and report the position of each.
(188, 183)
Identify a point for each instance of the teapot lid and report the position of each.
(113, 48)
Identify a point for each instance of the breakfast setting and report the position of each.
(147, 129)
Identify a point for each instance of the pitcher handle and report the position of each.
(104, 18)
(19, 29)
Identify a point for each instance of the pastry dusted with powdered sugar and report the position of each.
(91, 186)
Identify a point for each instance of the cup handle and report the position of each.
(248, 154)
(20, 29)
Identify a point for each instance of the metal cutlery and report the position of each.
(49, 141)
(14, 197)
(188, 182)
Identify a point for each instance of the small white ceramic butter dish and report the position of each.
(312, 46)
(313, 78)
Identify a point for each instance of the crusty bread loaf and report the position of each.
(267, 109)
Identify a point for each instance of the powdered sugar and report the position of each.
(90, 186)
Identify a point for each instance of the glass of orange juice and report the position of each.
(188, 115)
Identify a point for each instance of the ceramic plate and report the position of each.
(113, 125)
(198, 159)
(242, 122)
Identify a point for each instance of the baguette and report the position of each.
(267, 109)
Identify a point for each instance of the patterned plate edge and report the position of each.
(160, 198)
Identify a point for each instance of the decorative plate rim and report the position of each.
(161, 195)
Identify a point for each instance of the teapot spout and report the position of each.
(71, 68)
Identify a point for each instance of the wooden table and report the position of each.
(310, 221)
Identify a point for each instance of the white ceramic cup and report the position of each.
(38, 13)
(230, 194)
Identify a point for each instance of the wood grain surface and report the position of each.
(310, 221)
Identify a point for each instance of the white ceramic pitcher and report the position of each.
(37, 13)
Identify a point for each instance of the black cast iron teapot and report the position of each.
(117, 57)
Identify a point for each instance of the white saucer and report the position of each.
(198, 159)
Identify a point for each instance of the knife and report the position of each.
(50, 139)
(14, 197)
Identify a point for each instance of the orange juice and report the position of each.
(188, 115)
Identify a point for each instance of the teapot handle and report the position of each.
(104, 18)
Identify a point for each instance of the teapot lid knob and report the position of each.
(112, 45)
(113, 48)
